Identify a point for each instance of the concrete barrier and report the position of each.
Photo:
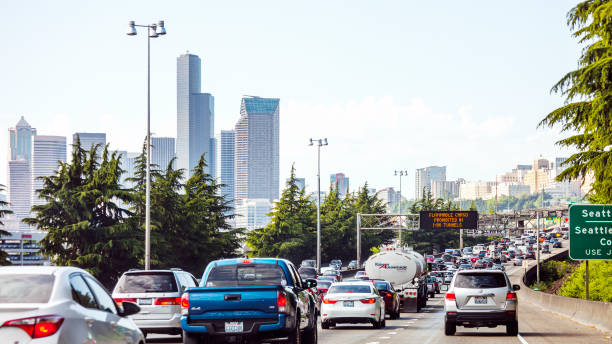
(590, 313)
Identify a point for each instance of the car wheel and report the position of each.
(295, 337)
(310, 334)
(512, 328)
(376, 324)
(325, 325)
(384, 323)
(192, 338)
(450, 328)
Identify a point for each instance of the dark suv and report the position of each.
(391, 297)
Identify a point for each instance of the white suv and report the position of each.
(158, 293)
(481, 298)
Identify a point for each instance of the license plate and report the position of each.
(481, 300)
(349, 304)
(145, 301)
(233, 326)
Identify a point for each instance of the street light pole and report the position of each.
(154, 31)
(320, 142)
(400, 173)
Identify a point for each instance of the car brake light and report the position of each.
(245, 261)
(167, 301)
(120, 300)
(371, 300)
(329, 302)
(511, 296)
(37, 327)
(281, 301)
(389, 294)
(450, 296)
(185, 300)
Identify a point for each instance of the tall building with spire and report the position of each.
(257, 149)
(195, 117)
(19, 173)
(20, 141)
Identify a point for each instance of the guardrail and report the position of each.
(590, 313)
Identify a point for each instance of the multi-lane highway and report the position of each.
(535, 326)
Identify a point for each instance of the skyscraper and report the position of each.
(301, 183)
(257, 149)
(424, 176)
(226, 159)
(19, 188)
(47, 151)
(91, 139)
(162, 152)
(339, 182)
(195, 116)
(20, 141)
(128, 164)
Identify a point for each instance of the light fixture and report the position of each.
(325, 141)
(161, 30)
(311, 143)
(132, 28)
(153, 31)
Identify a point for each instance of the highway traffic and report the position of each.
(535, 326)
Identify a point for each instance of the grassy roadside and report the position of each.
(553, 274)
(600, 280)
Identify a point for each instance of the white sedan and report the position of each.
(353, 302)
(51, 305)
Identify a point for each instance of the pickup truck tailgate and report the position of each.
(233, 302)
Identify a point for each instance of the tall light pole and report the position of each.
(319, 144)
(400, 173)
(154, 31)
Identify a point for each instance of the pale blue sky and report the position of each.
(392, 84)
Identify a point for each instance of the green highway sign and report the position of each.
(590, 231)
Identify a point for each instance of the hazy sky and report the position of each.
(391, 84)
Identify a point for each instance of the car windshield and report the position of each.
(330, 272)
(480, 280)
(358, 289)
(246, 275)
(18, 288)
(147, 282)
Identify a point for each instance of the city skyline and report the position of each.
(381, 103)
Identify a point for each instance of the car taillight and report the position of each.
(511, 296)
(370, 300)
(281, 301)
(450, 296)
(389, 294)
(120, 300)
(37, 327)
(167, 301)
(329, 302)
(185, 300)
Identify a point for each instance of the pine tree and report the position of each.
(3, 212)
(588, 92)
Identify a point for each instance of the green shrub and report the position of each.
(542, 285)
(600, 278)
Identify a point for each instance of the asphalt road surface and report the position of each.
(535, 326)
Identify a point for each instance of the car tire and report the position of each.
(311, 333)
(325, 325)
(376, 324)
(512, 328)
(295, 337)
(383, 324)
(192, 338)
(449, 328)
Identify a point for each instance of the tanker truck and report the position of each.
(406, 270)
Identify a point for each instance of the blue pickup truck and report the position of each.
(249, 300)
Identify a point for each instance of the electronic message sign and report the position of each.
(448, 219)
(590, 231)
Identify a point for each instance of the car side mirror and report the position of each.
(310, 283)
(516, 287)
(128, 308)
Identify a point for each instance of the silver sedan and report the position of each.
(48, 304)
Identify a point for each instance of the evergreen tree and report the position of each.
(84, 224)
(588, 92)
(3, 212)
(291, 233)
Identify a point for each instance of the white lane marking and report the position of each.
(521, 339)
(392, 333)
(384, 337)
(373, 343)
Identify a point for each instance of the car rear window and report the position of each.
(336, 289)
(147, 282)
(382, 286)
(307, 272)
(18, 288)
(323, 284)
(246, 275)
(480, 280)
